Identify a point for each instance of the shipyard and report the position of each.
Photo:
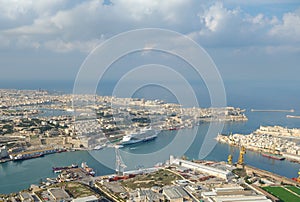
(176, 179)
(274, 142)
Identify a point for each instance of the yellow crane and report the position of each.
(298, 178)
(241, 156)
(229, 159)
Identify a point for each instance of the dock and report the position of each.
(251, 169)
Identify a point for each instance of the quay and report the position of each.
(251, 169)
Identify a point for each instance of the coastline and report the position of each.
(290, 157)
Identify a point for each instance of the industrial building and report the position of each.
(223, 174)
(176, 194)
(59, 194)
(26, 197)
(143, 195)
(233, 194)
(92, 198)
(3, 152)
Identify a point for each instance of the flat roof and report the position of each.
(205, 168)
(175, 192)
(58, 193)
(87, 198)
(258, 198)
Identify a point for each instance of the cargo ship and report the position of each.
(32, 154)
(144, 136)
(273, 156)
(59, 169)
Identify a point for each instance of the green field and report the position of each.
(294, 189)
(159, 178)
(282, 194)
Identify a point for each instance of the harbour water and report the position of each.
(15, 176)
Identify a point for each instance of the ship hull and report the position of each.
(28, 157)
(272, 156)
(64, 168)
(130, 142)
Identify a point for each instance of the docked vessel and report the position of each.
(21, 157)
(273, 156)
(32, 154)
(89, 170)
(98, 147)
(143, 136)
(175, 128)
(59, 169)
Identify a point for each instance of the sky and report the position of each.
(251, 40)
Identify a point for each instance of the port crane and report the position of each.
(229, 159)
(232, 143)
(120, 165)
(241, 156)
(298, 178)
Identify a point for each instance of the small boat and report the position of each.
(118, 146)
(98, 147)
(57, 171)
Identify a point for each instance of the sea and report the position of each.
(268, 94)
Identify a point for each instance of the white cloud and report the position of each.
(62, 26)
(289, 28)
(259, 2)
(224, 27)
(217, 17)
(14, 9)
(63, 46)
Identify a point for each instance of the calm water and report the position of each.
(15, 176)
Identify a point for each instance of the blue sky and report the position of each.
(247, 39)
